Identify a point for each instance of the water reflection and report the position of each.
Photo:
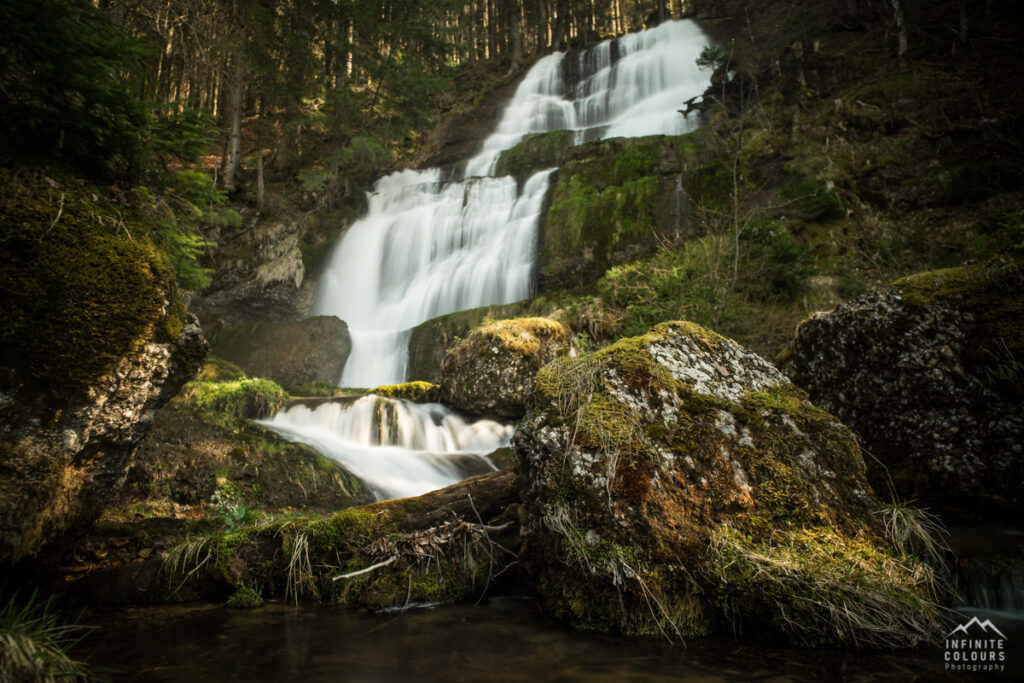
(503, 639)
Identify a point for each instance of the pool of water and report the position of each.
(503, 639)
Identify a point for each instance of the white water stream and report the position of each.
(428, 247)
(398, 448)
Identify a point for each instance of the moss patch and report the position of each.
(81, 286)
(255, 398)
(419, 392)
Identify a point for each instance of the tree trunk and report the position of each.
(234, 148)
(261, 195)
(901, 29)
(516, 37)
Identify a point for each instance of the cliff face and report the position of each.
(95, 338)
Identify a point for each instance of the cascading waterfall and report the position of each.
(428, 247)
(398, 448)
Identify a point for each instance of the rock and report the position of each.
(676, 481)
(290, 353)
(492, 372)
(188, 460)
(59, 473)
(260, 274)
(928, 373)
(612, 201)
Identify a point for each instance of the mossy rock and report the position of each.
(252, 398)
(418, 392)
(644, 463)
(81, 285)
(492, 372)
(611, 202)
(929, 374)
(535, 153)
(580, 311)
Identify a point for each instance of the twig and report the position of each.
(367, 570)
(60, 210)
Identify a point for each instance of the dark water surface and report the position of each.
(503, 639)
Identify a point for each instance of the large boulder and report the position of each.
(492, 371)
(94, 339)
(929, 374)
(290, 353)
(674, 482)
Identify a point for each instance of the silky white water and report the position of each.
(398, 448)
(428, 247)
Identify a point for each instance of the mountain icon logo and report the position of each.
(986, 626)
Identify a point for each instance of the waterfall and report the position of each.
(397, 448)
(427, 247)
(430, 246)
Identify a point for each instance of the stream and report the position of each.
(502, 639)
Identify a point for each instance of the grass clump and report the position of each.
(251, 398)
(34, 645)
(820, 587)
(246, 597)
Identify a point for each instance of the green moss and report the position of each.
(991, 294)
(420, 392)
(245, 598)
(81, 285)
(321, 390)
(254, 398)
(534, 153)
(217, 369)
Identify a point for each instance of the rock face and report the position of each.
(612, 201)
(668, 477)
(58, 474)
(493, 371)
(261, 275)
(290, 353)
(928, 373)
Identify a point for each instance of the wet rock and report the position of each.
(492, 372)
(669, 477)
(290, 353)
(928, 373)
(58, 474)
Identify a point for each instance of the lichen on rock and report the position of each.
(928, 373)
(492, 372)
(641, 465)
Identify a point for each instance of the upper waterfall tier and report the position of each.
(427, 248)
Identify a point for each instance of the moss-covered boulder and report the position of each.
(675, 482)
(492, 372)
(94, 338)
(290, 353)
(930, 374)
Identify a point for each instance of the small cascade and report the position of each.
(398, 448)
(428, 247)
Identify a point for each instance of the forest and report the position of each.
(678, 322)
